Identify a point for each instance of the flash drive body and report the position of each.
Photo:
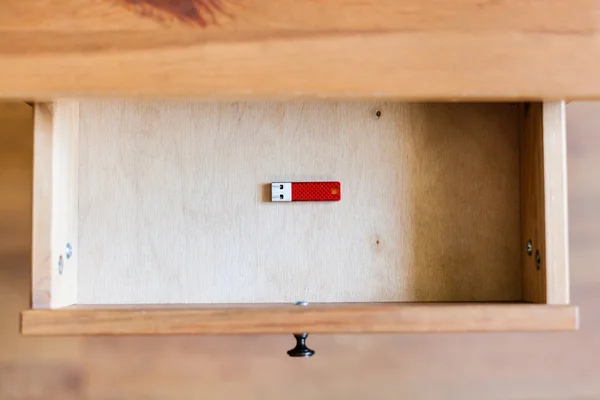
(305, 191)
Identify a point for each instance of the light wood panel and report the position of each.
(544, 204)
(315, 318)
(556, 207)
(55, 194)
(259, 48)
(175, 208)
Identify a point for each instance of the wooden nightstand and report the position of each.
(152, 216)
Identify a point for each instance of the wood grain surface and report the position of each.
(556, 207)
(412, 366)
(55, 199)
(544, 204)
(173, 206)
(502, 49)
(314, 318)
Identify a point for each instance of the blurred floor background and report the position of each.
(440, 366)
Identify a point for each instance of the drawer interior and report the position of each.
(174, 202)
(155, 217)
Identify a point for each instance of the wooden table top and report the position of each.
(401, 49)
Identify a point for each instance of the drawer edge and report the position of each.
(283, 319)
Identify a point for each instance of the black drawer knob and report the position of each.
(301, 350)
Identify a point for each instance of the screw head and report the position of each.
(529, 248)
(60, 264)
(69, 250)
(538, 260)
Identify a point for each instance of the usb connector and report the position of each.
(281, 191)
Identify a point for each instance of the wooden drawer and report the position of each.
(154, 217)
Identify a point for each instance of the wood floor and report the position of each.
(447, 366)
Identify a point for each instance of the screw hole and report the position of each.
(538, 260)
(281, 187)
(281, 196)
(529, 248)
(69, 251)
(378, 113)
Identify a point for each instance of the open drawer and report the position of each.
(155, 217)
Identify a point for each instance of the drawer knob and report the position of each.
(301, 350)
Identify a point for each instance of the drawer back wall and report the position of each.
(174, 203)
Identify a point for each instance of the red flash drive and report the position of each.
(306, 191)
